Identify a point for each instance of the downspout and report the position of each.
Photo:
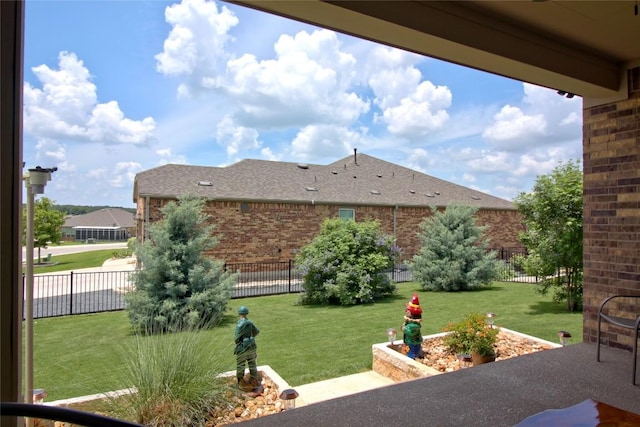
(395, 231)
(146, 219)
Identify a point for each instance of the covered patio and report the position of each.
(579, 48)
(492, 395)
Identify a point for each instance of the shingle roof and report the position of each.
(107, 217)
(370, 181)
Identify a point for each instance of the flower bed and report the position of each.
(241, 407)
(393, 363)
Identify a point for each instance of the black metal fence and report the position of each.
(94, 292)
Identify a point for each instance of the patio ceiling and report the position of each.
(581, 47)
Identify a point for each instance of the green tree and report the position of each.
(179, 287)
(345, 264)
(552, 214)
(453, 255)
(47, 224)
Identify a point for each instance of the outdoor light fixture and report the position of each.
(391, 335)
(34, 180)
(565, 337)
(565, 93)
(289, 397)
(490, 319)
(38, 396)
(464, 361)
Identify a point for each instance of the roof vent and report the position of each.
(379, 176)
(311, 188)
(429, 195)
(475, 197)
(205, 183)
(437, 193)
(376, 192)
(412, 191)
(303, 166)
(334, 172)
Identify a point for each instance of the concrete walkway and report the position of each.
(340, 387)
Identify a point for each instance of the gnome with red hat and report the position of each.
(411, 327)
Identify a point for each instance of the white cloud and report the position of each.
(66, 107)
(323, 141)
(467, 177)
(308, 81)
(268, 154)
(236, 138)
(411, 107)
(512, 128)
(166, 156)
(544, 118)
(197, 42)
(124, 174)
(420, 159)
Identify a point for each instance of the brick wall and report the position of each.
(259, 232)
(611, 150)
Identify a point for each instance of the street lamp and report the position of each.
(35, 180)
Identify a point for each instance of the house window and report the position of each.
(346, 214)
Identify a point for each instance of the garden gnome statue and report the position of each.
(245, 350)
(411, 327)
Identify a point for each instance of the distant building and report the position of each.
(112, 224)
(266, 210)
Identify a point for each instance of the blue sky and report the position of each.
(113, 88)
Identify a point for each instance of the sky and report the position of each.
(114, 88)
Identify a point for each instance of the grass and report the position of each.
(76, 261)
(79, 355)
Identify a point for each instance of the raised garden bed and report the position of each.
(391, 360)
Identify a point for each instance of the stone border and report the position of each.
(398, 367)
(280, 383)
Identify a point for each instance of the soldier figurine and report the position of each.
(245, 349)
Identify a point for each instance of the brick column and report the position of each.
(611, 152)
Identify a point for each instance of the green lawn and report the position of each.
(79, 355)
(76, 261)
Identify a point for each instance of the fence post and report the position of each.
(71, 294)
(289, 275)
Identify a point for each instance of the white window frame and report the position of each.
(350, 211)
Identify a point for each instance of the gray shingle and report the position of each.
(369, 182)
(107, 217)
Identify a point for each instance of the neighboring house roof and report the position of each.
(102, 218)
(361, 180)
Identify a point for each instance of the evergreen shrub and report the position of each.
(346, 263)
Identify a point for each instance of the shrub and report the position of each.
(346, 263)
(174, 380)
(178, 285)
(453, 255)
(471, 335)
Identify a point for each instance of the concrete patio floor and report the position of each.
(496, 394)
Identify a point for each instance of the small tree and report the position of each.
(178, 287)
(552, 215)
(47, 225)
(345, 264)
(453, 255)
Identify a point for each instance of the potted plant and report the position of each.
(473, 336)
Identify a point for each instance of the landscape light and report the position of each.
(289, 397)
(391, 335)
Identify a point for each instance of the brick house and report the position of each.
(266, 210)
